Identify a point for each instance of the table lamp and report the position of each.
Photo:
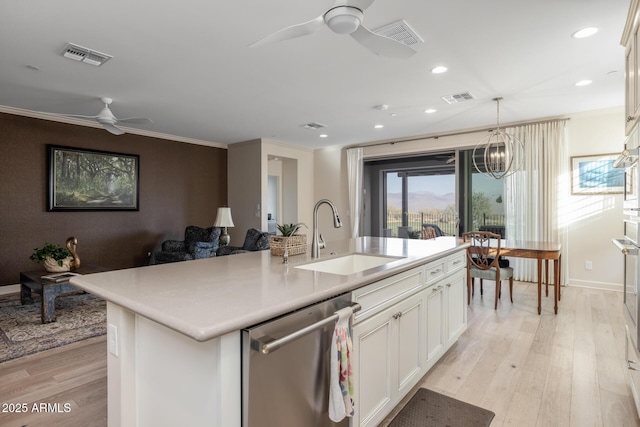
(223, 219)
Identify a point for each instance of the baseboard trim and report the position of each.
(596, 285)
(9, 289)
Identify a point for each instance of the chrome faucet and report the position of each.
(318, 243)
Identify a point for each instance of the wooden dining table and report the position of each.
(541, 251)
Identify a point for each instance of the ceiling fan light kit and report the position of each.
(343, 19)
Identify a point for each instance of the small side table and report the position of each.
(50, 290)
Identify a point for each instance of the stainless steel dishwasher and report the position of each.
(285, 368)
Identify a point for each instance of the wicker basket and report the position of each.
(297, 244)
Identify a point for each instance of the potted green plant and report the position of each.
(55, 258)
(289, 230)
(294, 242)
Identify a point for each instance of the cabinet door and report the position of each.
(456, 307)
(372, 368)
(635, 62)
(434, 338)
(630, 88)
(409, 320)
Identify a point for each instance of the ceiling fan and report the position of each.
(344, 17)
(108, 120)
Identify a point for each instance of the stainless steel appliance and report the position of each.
(285, 368)
(628, 160)
(629, 247)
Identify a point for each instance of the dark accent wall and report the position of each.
(180, 184)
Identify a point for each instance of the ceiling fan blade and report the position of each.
(113, 128)
(382, 45)
(138, 120)
(358, 4)
(292, 32)
(78, 116)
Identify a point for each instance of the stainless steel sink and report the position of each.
(349, 264)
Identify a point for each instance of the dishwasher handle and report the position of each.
(271, 346)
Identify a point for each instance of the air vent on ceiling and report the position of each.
(83, 54)
(400, 31)
(314, 125)
(458, 97)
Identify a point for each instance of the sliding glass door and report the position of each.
(412, 192)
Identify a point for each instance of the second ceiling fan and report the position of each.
(344, 17)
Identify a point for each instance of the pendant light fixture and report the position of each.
(498, 154)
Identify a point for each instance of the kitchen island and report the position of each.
(174, 329)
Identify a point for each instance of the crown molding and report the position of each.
(93, 124)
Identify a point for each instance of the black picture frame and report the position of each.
(92, 180)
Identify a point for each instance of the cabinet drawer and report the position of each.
(434, 271)
(379, 295)
(456, 262)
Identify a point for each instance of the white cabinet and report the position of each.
(387, 359)
(407, 322)
(632, 67)
(434, 339)
(446, 315)
(456, 308)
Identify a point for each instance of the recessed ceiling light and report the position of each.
(323, 135)
(584, 83)
(585, 32)
(439, 69)
(33, 67)
(393, 114)
(381, 107)
(378, 126)
(430, 110)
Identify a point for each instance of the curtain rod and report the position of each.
(463, 132)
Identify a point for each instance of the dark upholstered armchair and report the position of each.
(255, 240)
(198, 243)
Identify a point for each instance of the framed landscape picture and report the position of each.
(91, 180)
(596, 175)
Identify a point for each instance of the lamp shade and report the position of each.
(223, 218)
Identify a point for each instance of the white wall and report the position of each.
(331, 183)
(594, 220)
(248, 171)
(297, 182)
(243, 188)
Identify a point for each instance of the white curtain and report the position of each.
(354, 175)
(533, 205)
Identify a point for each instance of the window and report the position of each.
(407, 193)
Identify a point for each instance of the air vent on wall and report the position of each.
(400, 31)
(83, 54)
(458, 97)
(314, 125)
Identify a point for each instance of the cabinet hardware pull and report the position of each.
(629, 118)
(397, 315)
(448, 285)
(629, 362)
(436, 271)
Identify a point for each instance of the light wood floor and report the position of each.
(75, 375)
(548, 370)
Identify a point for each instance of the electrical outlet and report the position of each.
(112, 339)
(588, 265)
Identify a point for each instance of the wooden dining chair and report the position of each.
(483, 256)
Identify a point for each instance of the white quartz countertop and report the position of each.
(207, 298)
